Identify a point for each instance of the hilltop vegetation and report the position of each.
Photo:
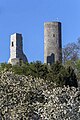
(36, 91)
(31, 98)
(55, 75)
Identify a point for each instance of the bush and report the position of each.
(60, 76)
(55, 75)
(5, 66)
(71, 78)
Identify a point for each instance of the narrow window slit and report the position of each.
(53, 35)
(12, 44)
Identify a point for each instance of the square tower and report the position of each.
(16, 49)
(52, 42)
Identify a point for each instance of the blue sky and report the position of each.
(28, 17)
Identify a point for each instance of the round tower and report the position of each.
(52, 42)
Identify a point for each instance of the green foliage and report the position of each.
(22, 69)
(17, 69)
(35, 68)
(71, 56)
(78, 65)
(44, 71)
(75, 65)
(77, 69)
(60, 76)
(54, 75)
(38, 70)
(71, 78)
(5, 66)
(70, 63)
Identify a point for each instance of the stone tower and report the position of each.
(16, 50)
(52, 42)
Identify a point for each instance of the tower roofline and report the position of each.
(16, 49)
(16, 34)
(55, 22)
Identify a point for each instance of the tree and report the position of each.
(56, 75)
(5, 66)
(71, 78)
(77, 69)
(59, 76)
(17, 69)
(22, 69)
(36, 69)
(70, 52)
(44, 71)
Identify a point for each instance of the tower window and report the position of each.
(12, 44)
(53, 35)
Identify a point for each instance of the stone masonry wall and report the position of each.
(52, 41)
(16, 49)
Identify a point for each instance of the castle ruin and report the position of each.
(16, 50)
(52, 45)
(52, 42)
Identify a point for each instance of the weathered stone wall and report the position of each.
(16, 49)
(52, 42)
